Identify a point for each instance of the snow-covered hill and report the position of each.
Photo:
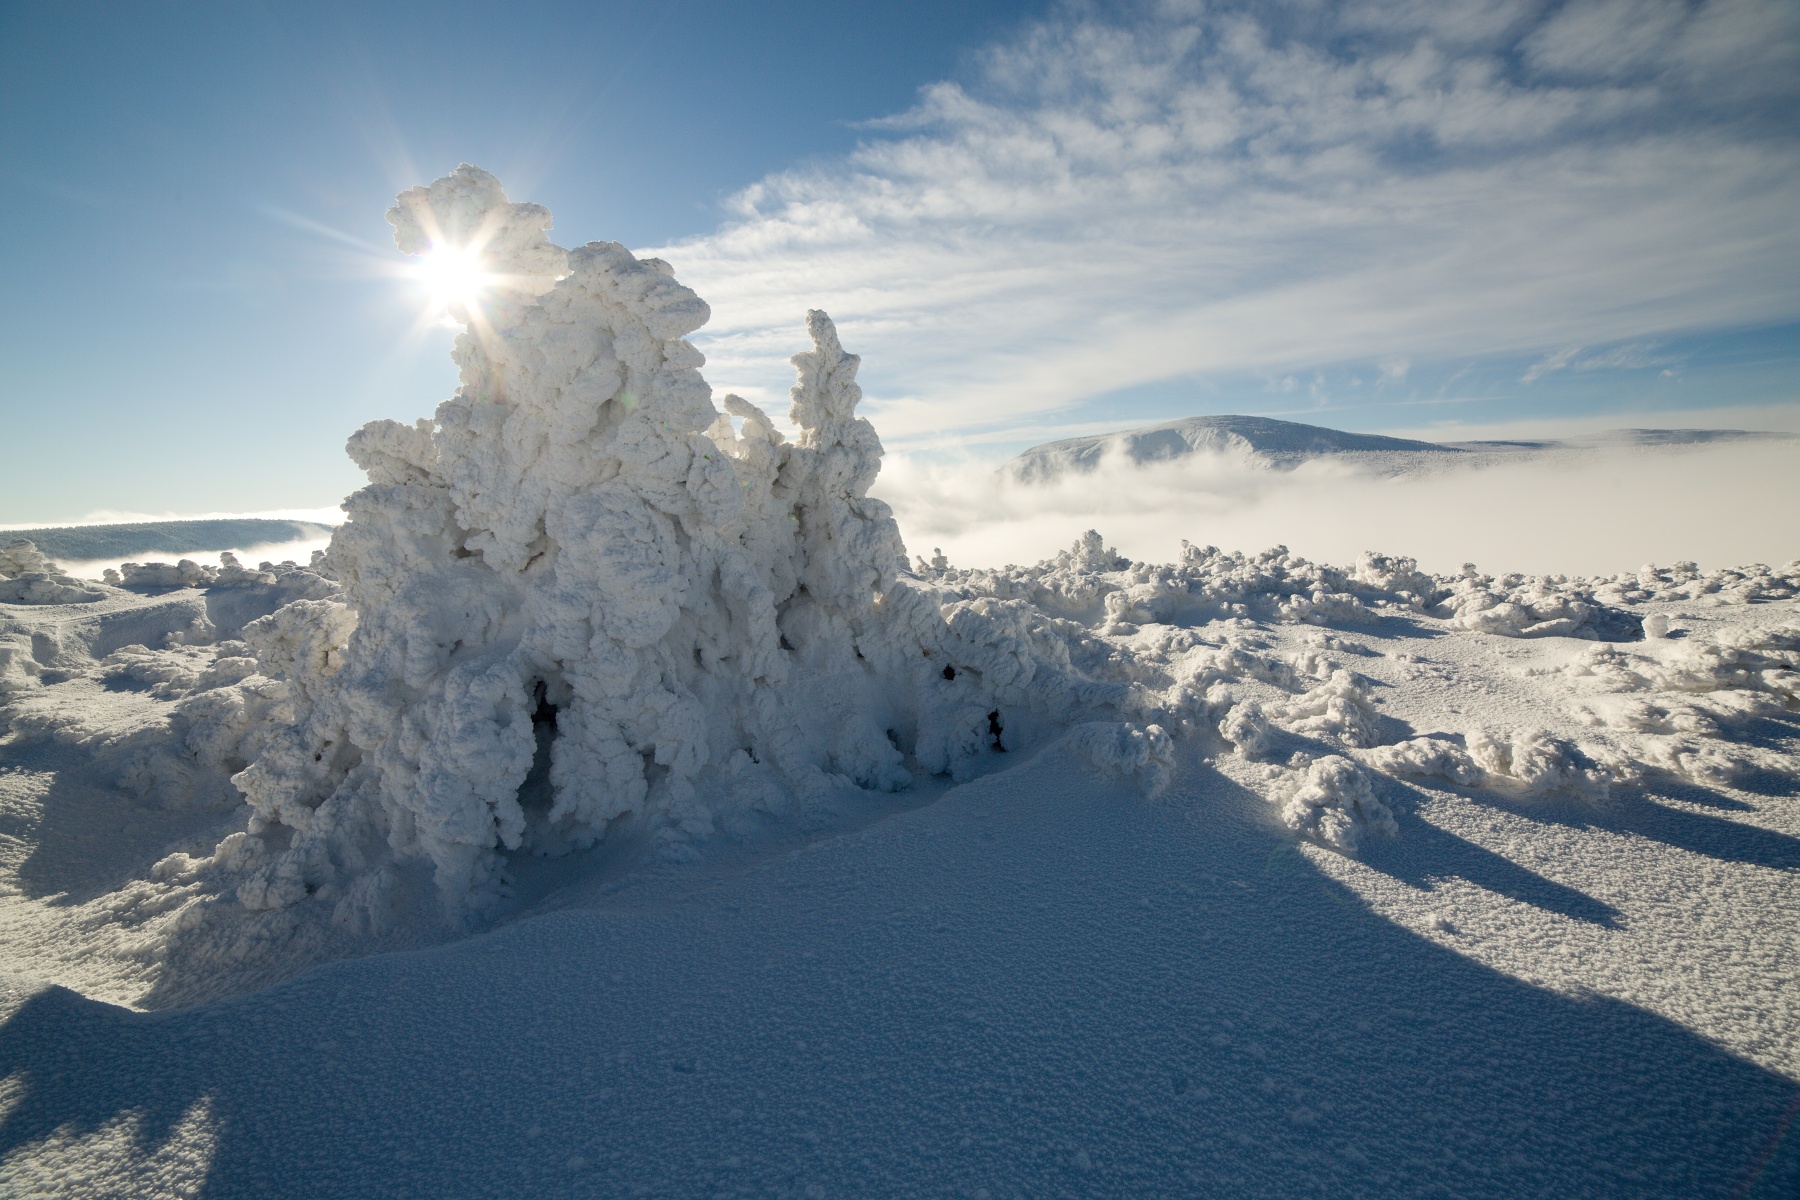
(1274, 443)
(86, 543)
(1277, 442)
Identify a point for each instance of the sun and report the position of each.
(453, 278)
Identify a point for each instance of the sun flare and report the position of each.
(453, 278)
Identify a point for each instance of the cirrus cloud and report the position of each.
(1114, 200)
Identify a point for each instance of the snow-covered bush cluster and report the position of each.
(27, 577)
(1535, 607)
(188, 573)
(1277, 585)
(1674, 698)
(1332, 799)
(183, 649)
(1528, 762)
(1755, 583)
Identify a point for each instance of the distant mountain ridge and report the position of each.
(1278, 441)
(1288, 443)
(80, 543)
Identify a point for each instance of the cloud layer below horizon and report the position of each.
(1194, 190)
(1574, 512)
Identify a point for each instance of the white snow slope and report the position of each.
(626, 817)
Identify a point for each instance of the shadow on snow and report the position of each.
(1041, 985)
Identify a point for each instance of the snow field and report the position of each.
(1040, 985)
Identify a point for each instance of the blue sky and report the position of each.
(1031, 221)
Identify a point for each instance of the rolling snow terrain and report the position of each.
(617, 809)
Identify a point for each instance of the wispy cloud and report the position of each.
(1199, 188)
(1635, 356)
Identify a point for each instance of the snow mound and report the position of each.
(1264, 438)
(1332, 800)
(1673, 702)
(27, 577)
(1146, 754)
(1521, 606)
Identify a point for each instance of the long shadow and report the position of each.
(1104, 996)
(88, 837)
(1693, 793)
(1637, 811)
(1765, 782)
(1425, 854)
(1770, 730)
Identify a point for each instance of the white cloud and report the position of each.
(1549, 364)
(1204, 189)
(1630, 357)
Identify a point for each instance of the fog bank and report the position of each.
(1569, 511)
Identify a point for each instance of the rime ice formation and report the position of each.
(578, 594)
(27, 577)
